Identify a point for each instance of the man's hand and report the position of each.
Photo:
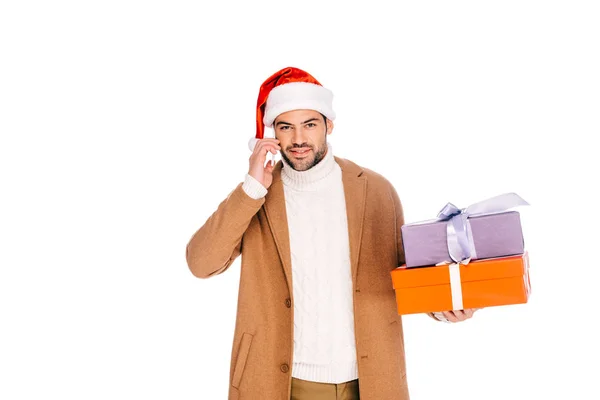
(456, 315)
(258, 170)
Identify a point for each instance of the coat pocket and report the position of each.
(242, 356)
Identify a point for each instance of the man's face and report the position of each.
(302, 136)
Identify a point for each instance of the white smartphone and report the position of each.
(273, 158)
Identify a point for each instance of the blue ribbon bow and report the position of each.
(457, 230)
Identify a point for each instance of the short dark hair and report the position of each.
(324, 120)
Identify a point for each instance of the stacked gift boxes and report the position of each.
(469, 258)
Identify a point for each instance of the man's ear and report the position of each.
(329, 126)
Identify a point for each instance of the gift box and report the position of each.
(483, 230)
(481, 283)
(494, 235)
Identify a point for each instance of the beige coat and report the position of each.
(262, 350)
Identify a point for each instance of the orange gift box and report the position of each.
(480, 283)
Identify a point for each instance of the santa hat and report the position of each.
(286, 90)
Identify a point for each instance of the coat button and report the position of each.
(284, 368)
(288, 303)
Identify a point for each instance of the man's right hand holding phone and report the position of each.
(258, 170)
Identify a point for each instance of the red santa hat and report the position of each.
(286, 90)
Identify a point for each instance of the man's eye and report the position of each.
(284, 127)
(311, 125)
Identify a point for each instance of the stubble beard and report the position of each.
(305, 165)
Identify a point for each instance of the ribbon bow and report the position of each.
(460, 241)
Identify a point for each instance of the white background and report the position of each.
(124, 124)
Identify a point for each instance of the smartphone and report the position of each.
(273, 158)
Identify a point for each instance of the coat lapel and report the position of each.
(355, 190)
(277, 219)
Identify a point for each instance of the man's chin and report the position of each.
(301, 165)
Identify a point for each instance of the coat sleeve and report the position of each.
(399, 213)
(216, 245)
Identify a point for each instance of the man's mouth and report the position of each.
(300, 152)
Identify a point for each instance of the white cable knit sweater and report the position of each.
(324, 346)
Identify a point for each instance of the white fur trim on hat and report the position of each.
(252, 143)
(298, 96)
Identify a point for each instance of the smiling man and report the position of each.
(318, 235)
(302, 135)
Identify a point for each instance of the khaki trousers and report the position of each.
(307, 390)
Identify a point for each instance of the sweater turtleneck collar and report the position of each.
(307, 179)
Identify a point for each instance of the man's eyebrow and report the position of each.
(310, 120)
(302, 123)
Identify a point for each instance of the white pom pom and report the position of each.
(252, 143)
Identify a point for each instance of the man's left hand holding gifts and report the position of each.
(454, 316)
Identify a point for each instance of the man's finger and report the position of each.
(460, 314)
(261, 146)
(264, 142)
(450, 316)
(263, 150)
(468, 312)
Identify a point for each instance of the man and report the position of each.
(318, 235)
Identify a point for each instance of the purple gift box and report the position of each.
(493, 235)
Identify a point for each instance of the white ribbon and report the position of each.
(455, 283)
(455, 286)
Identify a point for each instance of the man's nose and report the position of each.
(299, 137)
